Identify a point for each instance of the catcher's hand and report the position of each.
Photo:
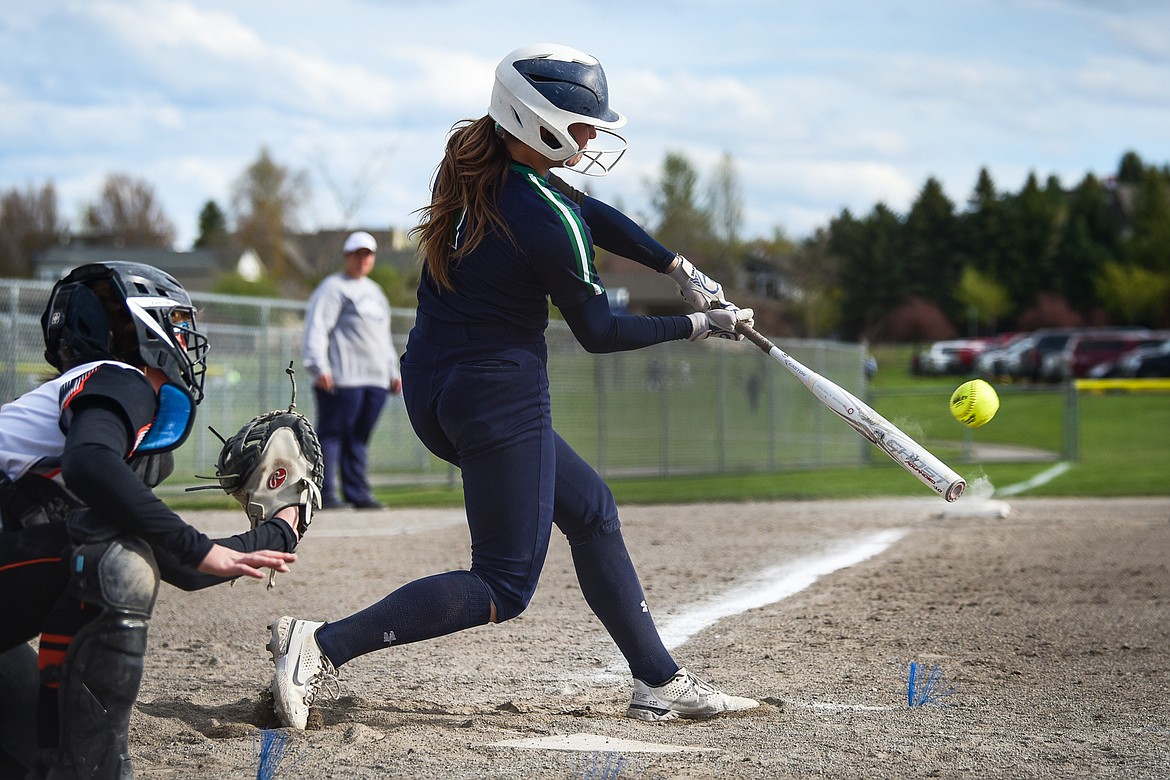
(274, 461)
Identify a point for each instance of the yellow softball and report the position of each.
(974, 403)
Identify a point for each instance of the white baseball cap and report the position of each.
(360, 240)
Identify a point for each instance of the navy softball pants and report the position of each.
(479, 399)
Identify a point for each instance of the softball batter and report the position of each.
(501, 237)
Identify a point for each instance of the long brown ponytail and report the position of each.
(467, 182)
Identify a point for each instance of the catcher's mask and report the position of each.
(129, 312)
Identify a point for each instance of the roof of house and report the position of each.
(196, 269)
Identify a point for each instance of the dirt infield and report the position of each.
(1051, 626)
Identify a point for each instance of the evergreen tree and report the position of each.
(1131, 169)
(872, 272)
(1031, 238)
(1091, 239)
(932, 263)
(1149, 242)
(213, 229)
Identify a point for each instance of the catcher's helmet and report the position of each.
(130, 312)
(543, 88)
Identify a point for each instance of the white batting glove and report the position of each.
(699, 290)
(721, 322)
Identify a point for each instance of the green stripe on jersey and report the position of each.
(574, 227)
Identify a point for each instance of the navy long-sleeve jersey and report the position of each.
(549, 255)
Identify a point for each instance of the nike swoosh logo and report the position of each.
(296, 675)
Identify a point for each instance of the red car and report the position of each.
(1087, 349)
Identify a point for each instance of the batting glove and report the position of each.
(699, 290)
(721, 322)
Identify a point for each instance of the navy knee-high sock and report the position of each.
(423, 609)
(612, 590)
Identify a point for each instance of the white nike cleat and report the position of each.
(682, 696)
(302, 670)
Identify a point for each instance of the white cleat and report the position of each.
(301, 670)
(682, 696)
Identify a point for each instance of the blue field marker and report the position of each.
(272, 748)
(924, 688)
(601, 766)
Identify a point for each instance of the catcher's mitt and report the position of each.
(274, 461)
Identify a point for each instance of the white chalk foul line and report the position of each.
(831, 707)
(1042, 478)
(594, 743)
(773, 584)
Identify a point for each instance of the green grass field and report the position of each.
(1120, 443)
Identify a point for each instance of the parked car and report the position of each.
(996, 361)
(953, 356)
(1044, 341)
(1152, 360)
(1088, 348)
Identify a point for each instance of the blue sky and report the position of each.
(821, 105)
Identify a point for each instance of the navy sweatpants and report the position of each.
(345, 423)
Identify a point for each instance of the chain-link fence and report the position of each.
(676, 408)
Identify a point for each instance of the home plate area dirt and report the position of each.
(1039, 634)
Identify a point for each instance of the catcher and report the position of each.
(85, 539)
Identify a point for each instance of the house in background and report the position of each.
(311, 256)
(197, 269)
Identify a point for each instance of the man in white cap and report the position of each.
(349, 354)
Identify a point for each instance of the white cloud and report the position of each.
(1115, 80)
(1145, 32)
(821, 106)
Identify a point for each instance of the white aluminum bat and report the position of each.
(886, 436)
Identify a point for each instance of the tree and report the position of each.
(682, 223)
(1031, 236)
(931, 264)
(1133, 294)
(726, 202)
(213, 228)
(266, 200)
(813, 270)
(1050, 310)
(351, 197)
(29, 223)
(871, 281)
(128, 214)
(983, 296)
(1130, 169)
(1091, 238)
(1148, 245)
(982, 231)
(917, 320)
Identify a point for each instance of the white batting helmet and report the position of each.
(541, 89)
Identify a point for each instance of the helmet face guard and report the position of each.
(130, 312)
(543, 89)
